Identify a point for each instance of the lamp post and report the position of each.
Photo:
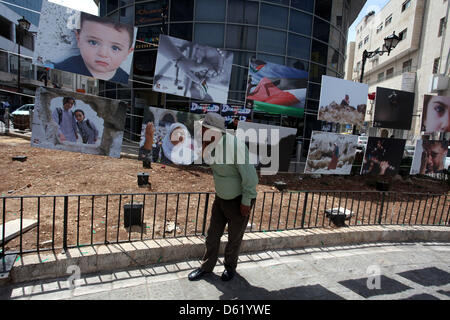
(24, 25)
(390, 43)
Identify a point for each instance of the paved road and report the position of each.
(380, 271)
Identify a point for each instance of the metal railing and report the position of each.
(69, 221)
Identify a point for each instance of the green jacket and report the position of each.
(233, 174)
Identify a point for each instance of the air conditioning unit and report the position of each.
(438, 82)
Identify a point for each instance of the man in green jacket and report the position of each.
(235, 181)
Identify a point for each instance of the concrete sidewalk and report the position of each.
(373, 271)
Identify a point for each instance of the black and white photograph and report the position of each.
(75, 122)
(342, 101)
(191, 70)
(331, 153)
(383, 156)
(85, 44)
(393, 109)
(429, 157)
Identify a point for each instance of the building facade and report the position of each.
(304, 34)
(422, 53)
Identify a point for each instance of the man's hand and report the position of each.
(245, 210)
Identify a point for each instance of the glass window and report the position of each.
(274, 16)
(241, 58)
(126, 15)
(298, 64)
(111, 5)
(323, 9)
(300, 22)
(148, 37)
(149, 13)
(319, 52)
(103, 8)
(306, 5)
(407, 66)
(316, 72)
(181, 10)
(4, 61)
(272, 41)
(209, 34)
(123, 3)
(285, 2)
(210, 10)
(312, 105)
(238, 79)
(314, 91)
(144, 64)
(271, 58)
(243, 11)
(241, 37)
(181, 30)
(321, 30)
(299, 47)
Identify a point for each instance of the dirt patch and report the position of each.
(96, 219)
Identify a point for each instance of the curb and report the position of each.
(102, 258)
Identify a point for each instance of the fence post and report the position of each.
(66, 206)
(381, 208)
(205, 214)
(7, 121)
(304, 209)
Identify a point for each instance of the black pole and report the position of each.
(19, 36)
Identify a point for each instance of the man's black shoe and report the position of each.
(197, 274)
(227, 275)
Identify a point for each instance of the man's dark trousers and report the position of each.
(223, 212)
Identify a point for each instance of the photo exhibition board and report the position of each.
(331, 153)
(275, 88)
(436, 114)
(393, 109)
(85, 44)
(229, 112)
(429, 157)
(192, 70)
(342, 101)
(284, 141)
(75, 122)
(169, 125)
(383, 156)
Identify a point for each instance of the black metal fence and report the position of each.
(68, 221)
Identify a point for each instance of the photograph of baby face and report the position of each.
(77, 42)
(436, 114)
(383, 156)
(429, 157)
(191, 70)
(393, 109)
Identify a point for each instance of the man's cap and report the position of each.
(214, 121)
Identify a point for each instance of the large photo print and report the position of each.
(383, 156)
(393, 109)
(191, 70)
(429, 157)
(436, 114)
(168, 137)
(331, 153)
(342, 101)
(79, 123)
(276, 88)
(78, 42)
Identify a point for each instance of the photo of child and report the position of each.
(86, 128)
(85, 44)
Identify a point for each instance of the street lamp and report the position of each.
(24, 25)
(390, 43)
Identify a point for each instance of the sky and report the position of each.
(88, 6)
(375, 5)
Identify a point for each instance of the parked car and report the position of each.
(447, 160)
(409, 151)
(21, 117)
(362, 142)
